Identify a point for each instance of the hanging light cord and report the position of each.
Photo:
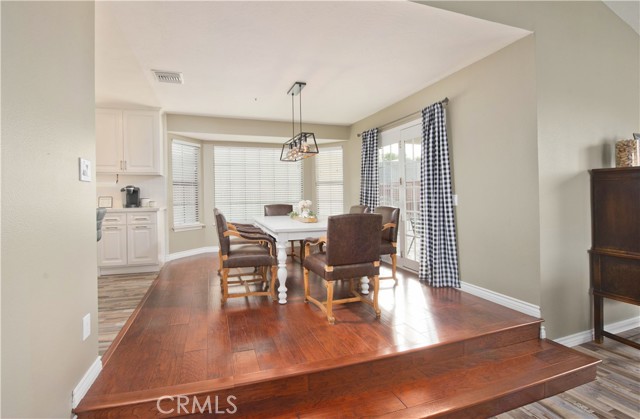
(293, 118)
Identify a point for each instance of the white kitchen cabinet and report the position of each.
(129, 242)
(113, 246)
(128, 141)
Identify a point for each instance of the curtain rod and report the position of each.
(444, 102)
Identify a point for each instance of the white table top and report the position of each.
(286, 224)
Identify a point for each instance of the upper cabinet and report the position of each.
(128, 141)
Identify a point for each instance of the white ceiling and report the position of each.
(240, 58)
(627, 10)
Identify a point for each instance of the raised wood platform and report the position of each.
(434, 353)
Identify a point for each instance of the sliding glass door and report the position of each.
(399, 186)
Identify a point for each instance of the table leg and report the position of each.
(282, 271)
(364, 285)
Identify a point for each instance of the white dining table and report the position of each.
(284, 228)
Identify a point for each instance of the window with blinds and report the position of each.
(329, 181)
(185, 162)
(248, 178)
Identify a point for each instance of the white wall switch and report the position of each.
(455, 200)
(86, 326)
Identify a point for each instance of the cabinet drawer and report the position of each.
(114, 219)
(141, 218)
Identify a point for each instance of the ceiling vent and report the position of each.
(168, 77)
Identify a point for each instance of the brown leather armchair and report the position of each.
(257, 251)
(284, 209)
(389, 236)
(358, 209)
(351, 251)
(277, 209)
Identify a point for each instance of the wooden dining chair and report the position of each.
(258, 251)
(389, 236)
(285, 209)
(351, 251)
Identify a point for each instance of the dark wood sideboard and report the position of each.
(615, 242)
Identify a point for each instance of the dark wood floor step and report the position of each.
(477, 385)
(376, 368)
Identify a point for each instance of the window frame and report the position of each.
(318, 182)
(197, 225)
(255, 152)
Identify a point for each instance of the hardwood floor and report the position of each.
(287, 360)
(614, 394)
(118, 297)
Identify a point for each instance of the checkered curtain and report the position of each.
(369, 169)
(439, 251)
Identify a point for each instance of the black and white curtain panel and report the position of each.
(369, 169)
(439, 250)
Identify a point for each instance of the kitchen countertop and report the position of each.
(139, 209)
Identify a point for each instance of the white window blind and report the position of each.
(329, 181)
(248, 178)
(185, 161)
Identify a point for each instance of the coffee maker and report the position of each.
(131, 196)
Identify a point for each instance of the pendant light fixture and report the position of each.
(303, 144)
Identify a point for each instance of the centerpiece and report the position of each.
(303, 212)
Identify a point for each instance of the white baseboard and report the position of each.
(86, 382)
(129, 269)
(588, 335)
(192, 252)
(503, 300)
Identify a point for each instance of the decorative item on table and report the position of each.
(303, 212)
(628, 152)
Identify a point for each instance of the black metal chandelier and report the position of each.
(303, 144)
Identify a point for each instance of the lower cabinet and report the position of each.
(129, 242)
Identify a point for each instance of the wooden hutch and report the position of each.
(615, 242)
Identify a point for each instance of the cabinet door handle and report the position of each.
(125, 165)
(141, 227)
(112, 228)
(111, 219)
(141, 218)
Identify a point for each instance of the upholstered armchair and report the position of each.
(358, 209)
(284, 209)
(257, 251)
(351, 251)
(389, 236)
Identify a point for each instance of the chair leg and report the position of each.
(305, 276)
(376, 288)
(330, 317)
(225, 285)
(274, 276)
(394, 264)
(302, 255)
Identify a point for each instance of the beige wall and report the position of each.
(525, 126)
(249, 127)
(48, 215)
(492, 133)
